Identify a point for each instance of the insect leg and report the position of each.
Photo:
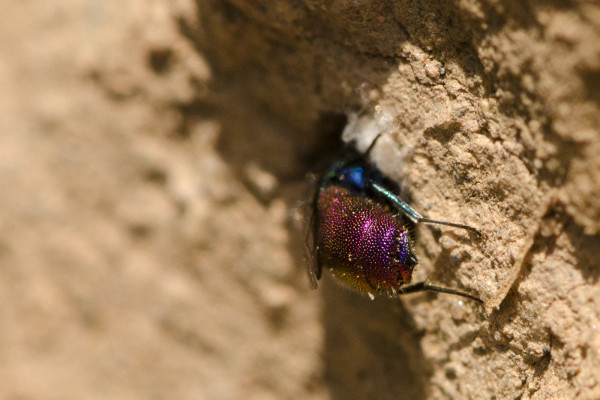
(424, 286)
(411, 213)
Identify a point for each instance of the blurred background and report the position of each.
(133, 262)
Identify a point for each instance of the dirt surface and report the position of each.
(153, 160)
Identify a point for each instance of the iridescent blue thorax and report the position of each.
(354, 176)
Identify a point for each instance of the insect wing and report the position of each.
(310, 226)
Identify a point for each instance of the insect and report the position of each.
(360, 233)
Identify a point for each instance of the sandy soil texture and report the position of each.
(153, 164)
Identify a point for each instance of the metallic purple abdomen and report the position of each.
(361, 242)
